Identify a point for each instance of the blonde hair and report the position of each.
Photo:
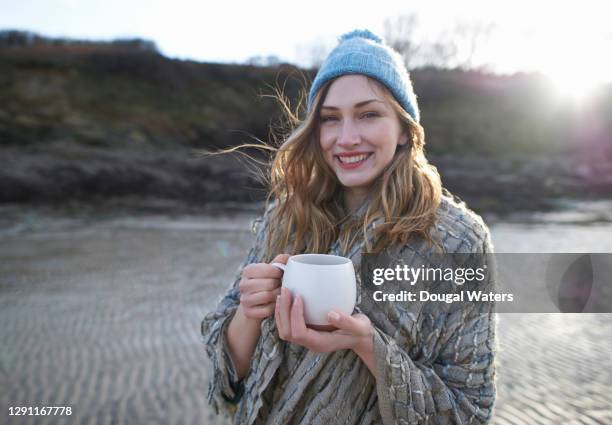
(308, 195)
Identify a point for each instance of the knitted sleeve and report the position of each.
(458, 387)
(224, 387)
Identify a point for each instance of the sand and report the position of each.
(104, 316)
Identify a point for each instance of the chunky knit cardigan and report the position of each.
(435, 365)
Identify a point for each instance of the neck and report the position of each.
(355, 198)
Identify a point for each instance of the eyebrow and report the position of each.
(357, 105)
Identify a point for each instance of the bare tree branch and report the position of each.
(399, 34)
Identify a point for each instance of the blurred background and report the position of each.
(117, 235)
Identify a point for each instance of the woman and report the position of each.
(352, 178)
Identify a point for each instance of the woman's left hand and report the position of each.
(353, 333)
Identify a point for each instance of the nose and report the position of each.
(349, 135)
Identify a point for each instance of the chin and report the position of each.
(353, 183)
(352, 179)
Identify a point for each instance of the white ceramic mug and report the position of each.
(324, 282)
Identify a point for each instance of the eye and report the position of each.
(327, 118)
(370, 114)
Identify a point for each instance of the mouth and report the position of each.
(351, 162)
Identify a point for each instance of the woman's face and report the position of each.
(359, 131)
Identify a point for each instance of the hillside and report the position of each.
(98, 120)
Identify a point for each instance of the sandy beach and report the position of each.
(104, 314)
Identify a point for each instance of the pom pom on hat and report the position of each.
(361, 34)
(363, 52)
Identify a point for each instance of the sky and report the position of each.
(569, 41)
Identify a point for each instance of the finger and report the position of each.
(299, 331)
(258, 284)
(320, 342)
(259, 298)
(261, 270)
(347, 323)
(281, 258)
(260, 311)
(277, 318)
(284, 311)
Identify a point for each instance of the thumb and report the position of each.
(347, 323)
(340, 320)
(281, 258)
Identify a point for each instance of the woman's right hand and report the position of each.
(259, 287)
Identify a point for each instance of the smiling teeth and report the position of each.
(352, 159)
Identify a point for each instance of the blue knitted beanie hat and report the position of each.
(362, 52)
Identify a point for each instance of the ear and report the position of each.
(403, 139)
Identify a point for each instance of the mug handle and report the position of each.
(279, 266)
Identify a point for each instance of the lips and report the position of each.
(352, 156)
(352, 153)
(353, 159)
